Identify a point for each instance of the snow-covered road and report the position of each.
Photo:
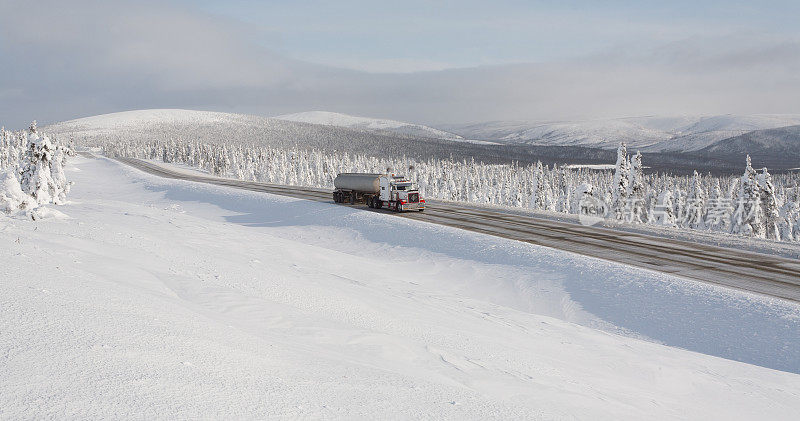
(169, 299)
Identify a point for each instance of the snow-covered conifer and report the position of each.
(538, 198)
(36, 177)
(719, 210)
(619, 192)
(12, 198)
(665, 210)
(695, 204)
(748, 216)
(637, 191)
(769, 205)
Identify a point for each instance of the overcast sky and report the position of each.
(428, 62)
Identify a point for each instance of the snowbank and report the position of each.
(44, 212)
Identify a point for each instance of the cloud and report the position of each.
(167, 46)
(64, 60)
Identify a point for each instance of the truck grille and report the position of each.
(413, 198)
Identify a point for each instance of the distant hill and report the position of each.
(773, 148)
(240, 129)
(229, 128)
(649, 134)
(366, 123)
(146, 120)
(600, 134)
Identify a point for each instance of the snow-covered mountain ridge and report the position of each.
(365, 123)
(770, 147)
(243, 129)
(134, 119)
(649, 134)
(556, 143)
(652, 134)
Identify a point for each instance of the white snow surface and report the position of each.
(366, 123)
(163, 299)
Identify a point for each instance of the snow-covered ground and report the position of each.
(167, 299)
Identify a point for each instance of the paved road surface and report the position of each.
(765, 274)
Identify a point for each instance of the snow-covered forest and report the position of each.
(756, 204)
(32, 169)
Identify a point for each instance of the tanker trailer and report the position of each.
(377, 191)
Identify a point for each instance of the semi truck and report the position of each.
(378, 191)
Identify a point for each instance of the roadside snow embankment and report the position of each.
(169, 299)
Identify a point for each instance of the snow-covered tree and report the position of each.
(695, 204)
(33, 169)
(665, 210)
(769, 205)
(539, 196)
(748, 216)
(36, 176)
(61, 186)
(637, 191)
(619, 192)
(719, 209)
(564, 191)
(790, 229)
(12, 198)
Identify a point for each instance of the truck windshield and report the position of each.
(404, 186)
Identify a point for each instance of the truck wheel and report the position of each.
(371, 202)
(352, 198)
(378, 203)
(335, 197)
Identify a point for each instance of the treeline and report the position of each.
(756, 204)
